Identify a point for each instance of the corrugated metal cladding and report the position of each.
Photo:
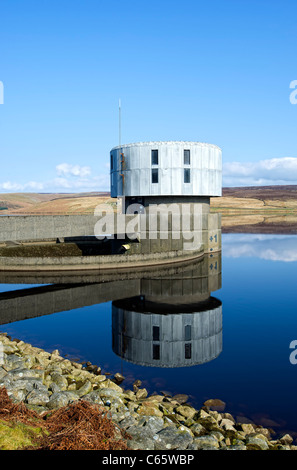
(184, 339)
(166, 169)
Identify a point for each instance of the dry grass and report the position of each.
(78, 426)
(53, 204)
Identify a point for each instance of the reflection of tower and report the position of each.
(175, 322)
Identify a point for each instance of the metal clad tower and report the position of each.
(166, 174)
(166, 169)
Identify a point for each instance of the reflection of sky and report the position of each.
(270, 247)
(11, 287)
(253, 374)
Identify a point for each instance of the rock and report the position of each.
(30, 361)
(228, 416)
(186, 411)
(215, 404)
(149, 409)
(283, 447)
(116, 405)
(265, 432)
(151, 425)
(219, 436)
(184, 428)
(26, 373)
(167, 407)
(13, 361)
(127, 422)
(197, 429)
(3, 372)
(45, 381)
(6, 381)
(59, 399)
(129, 395)
(171, 438)
(84, 389)
(247, 428)
(9, 348)
(37, 397)
(119, 378)
(140, 443)
(59, 380)
(256, 443)
(93, 397)
(155, 398)
(227, 425)
(136, 385)
(54, 388)
(109, 393)
(181, 398)
(141, 393)
(16, 395)
(244, 420)
(204, 442)
(55, 354)
(286, 439)
(202, 414)
(236, 447)
(28, 384)
(99, 379)
(110, 384)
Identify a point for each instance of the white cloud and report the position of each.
(269, 247)
(66, 169)
(70, 178)
(73, 178)
(265, 172)
(14, 187)
(94, 183)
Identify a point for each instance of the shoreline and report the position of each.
(45, 382)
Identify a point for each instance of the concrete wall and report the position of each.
(38, 227)
(36, 302)
(149, 230)
(185, 285)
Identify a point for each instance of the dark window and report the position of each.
(156, 351)
(155, 157)
(187, 175)
(155, 176)
(188, 351)
(156, 333)
(111, 162)
(188, 333)
(187, 158)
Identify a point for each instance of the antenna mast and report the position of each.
(122, 158)
(120, 124)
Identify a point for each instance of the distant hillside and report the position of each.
(248, 200)
(64, 203)
(258, 209)
(263, 192)
(256, 199)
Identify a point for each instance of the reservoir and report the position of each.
(221, 328)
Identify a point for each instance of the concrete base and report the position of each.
(173, 231)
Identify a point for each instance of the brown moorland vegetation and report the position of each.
(78, 426)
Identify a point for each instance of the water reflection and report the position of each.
(143, 334)
(164, 318)
(269, 247)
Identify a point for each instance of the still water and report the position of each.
(219, 329)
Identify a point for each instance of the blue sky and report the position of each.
(216, 71)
